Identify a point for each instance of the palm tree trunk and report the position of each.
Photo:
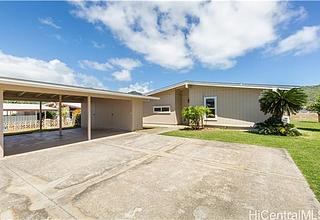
(319, 117)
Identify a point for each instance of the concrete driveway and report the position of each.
(148, 176)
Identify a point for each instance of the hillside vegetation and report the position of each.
(313, 93)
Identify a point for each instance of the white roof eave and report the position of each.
(91, 91)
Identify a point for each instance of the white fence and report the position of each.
(17, 124)
(18, 118)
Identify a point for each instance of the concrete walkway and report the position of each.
(143, 175)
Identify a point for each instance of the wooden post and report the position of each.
(40, 116)
(60, 115)
(89, 117)
(1, 126)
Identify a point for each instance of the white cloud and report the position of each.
(123, 75)
(53, 71)
(97, 45)
(50, 22)
(88, 64)
(177, 34)
(125, 63)
(89, 81)
(143, 87)
(124, 67)
(302, 42)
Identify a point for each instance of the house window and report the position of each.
(211, 103)
(161, 109)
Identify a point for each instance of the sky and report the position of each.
(141, 46)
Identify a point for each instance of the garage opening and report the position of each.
(36, 121)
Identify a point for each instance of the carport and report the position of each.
(101, 109)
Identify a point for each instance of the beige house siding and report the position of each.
(178, 105)
(84, 114)
(235, 106)
(166, 98)
(184, 102)
(113, 113)
(137, 114)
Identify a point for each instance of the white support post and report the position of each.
(89, 117)
(1, 126)
(60, 115)
(45, 119)
(40, 117)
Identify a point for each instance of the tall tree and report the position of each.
(279, 102)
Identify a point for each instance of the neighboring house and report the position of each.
(231, 104)
(71, 107)
(24, 109)
(17, 116)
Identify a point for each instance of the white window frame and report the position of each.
(215, 107)
(161, 106)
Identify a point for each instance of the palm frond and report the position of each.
(280, 102)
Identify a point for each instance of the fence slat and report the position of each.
(16, 124)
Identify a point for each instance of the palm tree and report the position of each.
(316, 107)
(278, 102)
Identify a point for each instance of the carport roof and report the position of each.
(7, 83)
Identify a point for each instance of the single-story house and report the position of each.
(71, 107)
(100, 109)
(231, 104)
(24, 109)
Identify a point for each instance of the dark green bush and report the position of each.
(51, 115)
(274, 126)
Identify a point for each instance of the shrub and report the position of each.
(194, 115)
(77, 121)
(51, 115)
(64, 113)
(277, 103)
(275, 126)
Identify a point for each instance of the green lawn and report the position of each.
(305, 149)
